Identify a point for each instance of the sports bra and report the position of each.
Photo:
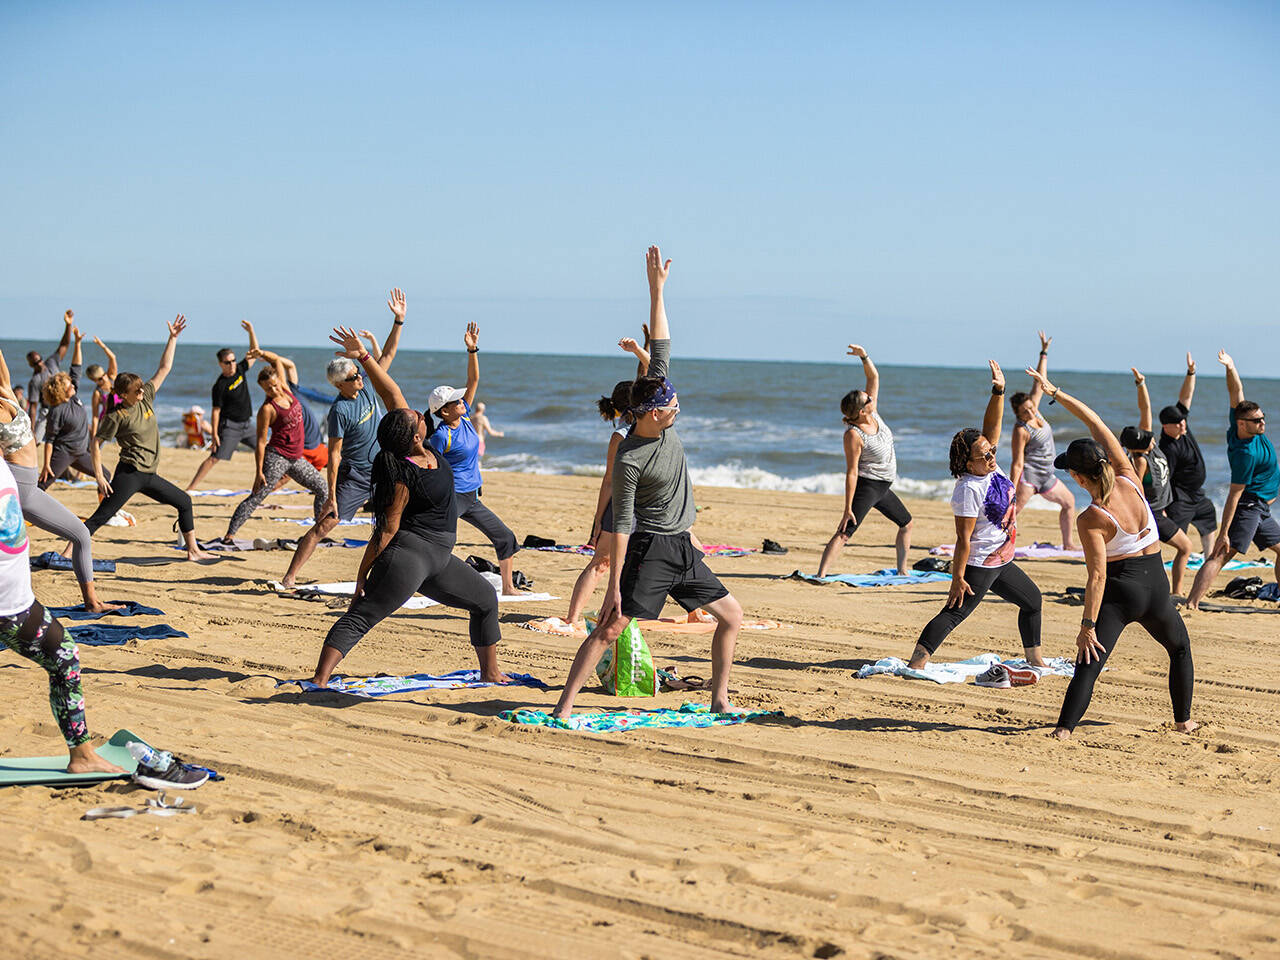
(1125, 543)
(15, 434)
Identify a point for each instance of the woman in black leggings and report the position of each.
(1127, 582)
(416, 516)
(130, 419)
(985, 507)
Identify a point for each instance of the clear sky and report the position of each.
(923, 178)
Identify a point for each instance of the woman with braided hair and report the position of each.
(416, 517)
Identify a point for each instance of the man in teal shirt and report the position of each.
(1255, 481)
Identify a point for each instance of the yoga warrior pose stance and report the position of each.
(616, 408)
(131, 420)
(871, 468)
(30, 631)
(985, 509)
(1127, 583)
(1255, 481)
(416, 523)
(651, 488)
(1033, 452)
(102, 381)
(456, 440)
(42, 369)
(18, 445)
(232, 407)
(1150, 464)
(1191, 506)
(66, 431)
(281, 456)
(353, 427)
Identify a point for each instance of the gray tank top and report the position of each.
(1157, 485)
(878, 460)
(1040, 451)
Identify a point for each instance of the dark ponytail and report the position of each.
(122, 383)
(397, 432)
(962, 449)
(617, 403)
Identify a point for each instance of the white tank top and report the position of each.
(879, 460)
(1125, 543)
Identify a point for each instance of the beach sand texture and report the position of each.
(882, 817)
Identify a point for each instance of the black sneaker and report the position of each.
(772, 546)
(179, 776)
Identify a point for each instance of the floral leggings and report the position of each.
(37, 636)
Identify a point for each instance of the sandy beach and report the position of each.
(882, 817)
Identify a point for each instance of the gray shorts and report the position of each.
(352, 491)
(232, 433)
(1254, 524)
(1038, 479)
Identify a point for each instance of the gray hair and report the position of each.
(339, 369)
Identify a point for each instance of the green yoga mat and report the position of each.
(24, 771)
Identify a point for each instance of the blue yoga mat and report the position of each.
(50, 560)
(113, 635)
(887, 577)
(131, 608)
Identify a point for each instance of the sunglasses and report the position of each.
(352, 379)
(1253, 419)
(989, 456)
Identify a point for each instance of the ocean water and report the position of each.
(760, 424)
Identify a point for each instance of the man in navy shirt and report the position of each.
(1255, 481)
(1190, 506)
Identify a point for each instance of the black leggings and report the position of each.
(412, 565)
(1137, 591)
(129, 481)
(1007, 583)
(486, 521)
(876, 493)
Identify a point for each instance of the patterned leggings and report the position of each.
(274, 467)
(37, 636)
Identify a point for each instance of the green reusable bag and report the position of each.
(627, 670)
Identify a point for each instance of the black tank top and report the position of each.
(432, 511)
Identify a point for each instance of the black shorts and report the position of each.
(660, 565)
(1193, 509)
(1254, 524)
(1165, 527)
(606, 521)
(232, 433)
(876, 493)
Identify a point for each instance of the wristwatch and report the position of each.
(1086, 622)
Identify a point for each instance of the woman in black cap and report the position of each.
(1127, 583)
(1157, 482)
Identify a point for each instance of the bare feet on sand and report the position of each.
(84, 760)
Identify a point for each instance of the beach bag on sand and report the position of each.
(627, 670)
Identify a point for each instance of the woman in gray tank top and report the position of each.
(1033, 452)
(871, 467)
(1153, 469)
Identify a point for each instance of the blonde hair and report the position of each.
(57, 390)
(1104, 482)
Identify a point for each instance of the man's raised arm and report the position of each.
(392, 343)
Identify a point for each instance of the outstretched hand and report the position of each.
(629, 344)
(1041, 379)
(253, 353)
(179, 324)
(1137, 377)
(472, 337)
(857, 351)
(246, 326)
(396, 303)
(647, 338)
(656, 268)
(1224, 358)
(1044, 341)
(997, 375)
(349, 341)
(1191, 364)
(75, 332)
(69, 317)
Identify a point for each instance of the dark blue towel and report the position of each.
(49, 560)
(131, 608)
(102, 635)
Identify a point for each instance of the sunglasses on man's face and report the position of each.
(1254, 419)
(352, 379)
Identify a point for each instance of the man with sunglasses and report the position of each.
(232, 407)
(651, 488)
(353, 422)
(1255, 481)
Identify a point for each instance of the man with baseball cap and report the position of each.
(1190, 505)
(651, 487)
(1255, 482)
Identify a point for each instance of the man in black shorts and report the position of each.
(232, 407)
(1190, 505)
(651, 486)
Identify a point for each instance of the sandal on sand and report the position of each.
(155, 806)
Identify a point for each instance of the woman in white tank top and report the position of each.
(871, 467)
(1127, 583)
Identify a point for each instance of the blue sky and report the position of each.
(923, 178)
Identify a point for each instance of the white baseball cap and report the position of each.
(442, 395)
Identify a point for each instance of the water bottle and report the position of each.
(157, 760)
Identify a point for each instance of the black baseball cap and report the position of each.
(1134, 438)
(1083, 456)
(1172, 414)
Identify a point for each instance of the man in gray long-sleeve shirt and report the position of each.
(651, 485)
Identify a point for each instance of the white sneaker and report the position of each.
(994, 676)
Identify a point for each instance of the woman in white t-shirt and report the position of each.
(985, 508)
